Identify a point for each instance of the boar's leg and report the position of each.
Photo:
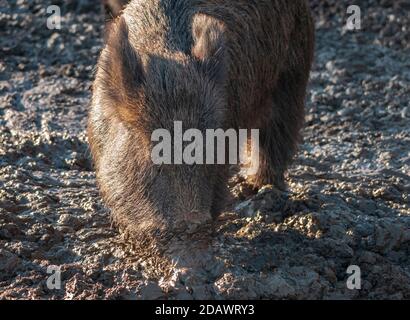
(222, 194)
(280, 134)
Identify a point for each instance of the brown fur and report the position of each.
(113, 8)
(207, 63)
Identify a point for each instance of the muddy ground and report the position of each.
(348, 200)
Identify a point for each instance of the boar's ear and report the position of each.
(122, 69)
(209, 45)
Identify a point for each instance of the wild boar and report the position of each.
(209, 64)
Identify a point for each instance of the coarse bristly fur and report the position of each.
(210, 64)
(113, 8)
